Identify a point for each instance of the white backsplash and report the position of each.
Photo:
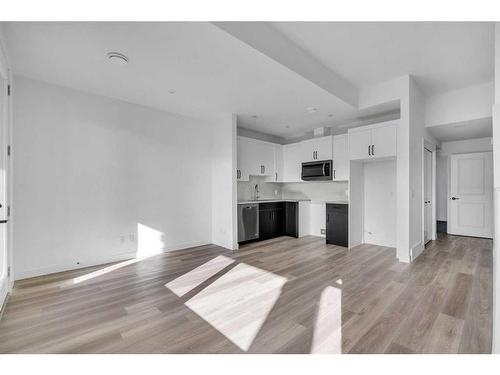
(315, 191)
(267, 190)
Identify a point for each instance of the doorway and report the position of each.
(470, 200)
(428, 201)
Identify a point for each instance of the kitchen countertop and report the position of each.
(337, 202)
(273, 200)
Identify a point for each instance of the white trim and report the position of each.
(100, 261)
(416, 250)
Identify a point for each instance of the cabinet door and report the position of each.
(340, 158)
(337, 225)
(278, 165)
(358, 144)
(291, 219)
(292, 165)
(316, 149)
(244, 160)
(264, 158)
(323, 148)
(265, 224)
(384, 141)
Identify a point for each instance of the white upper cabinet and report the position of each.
(292, 161)
(373, 141)
(316, 149)
(359, 144)
(255, 158)
(278, 164)
(340, 158)
(384, 141)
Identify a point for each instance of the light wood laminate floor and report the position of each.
(284, 295)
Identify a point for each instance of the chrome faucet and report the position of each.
(256, 191)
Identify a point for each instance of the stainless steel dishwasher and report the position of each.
(248, 222)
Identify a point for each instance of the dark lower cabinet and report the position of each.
(292, 219)
(278, 219)
(337, 224)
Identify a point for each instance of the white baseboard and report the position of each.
(416, 250)
(24, 274)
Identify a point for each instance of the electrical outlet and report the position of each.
(323, 231)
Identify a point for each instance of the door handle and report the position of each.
(454, 198)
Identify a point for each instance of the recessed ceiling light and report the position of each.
(330, 115)
(171, 91)
(255, 116)
(117, 58)
(312, 109)
(287, 126)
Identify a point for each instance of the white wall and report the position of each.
(380, 203)
(224, 188)
(88, 170)
(466, 146)
(466, 104)
(441, 188)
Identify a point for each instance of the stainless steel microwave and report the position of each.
(317, 170)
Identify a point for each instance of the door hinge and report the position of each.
(8, 150)
(8, 90)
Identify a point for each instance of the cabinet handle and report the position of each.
(276, 173)
(373, 150)
(334, 174)
(263, 169)
(369, 152)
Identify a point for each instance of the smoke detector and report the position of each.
(117, 58)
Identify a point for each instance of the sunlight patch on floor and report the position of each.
(327, 338)
(187, 282)
(238, 303)
(104, 271)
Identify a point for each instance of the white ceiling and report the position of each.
(441, 55)
(213, 72)
(479, 128)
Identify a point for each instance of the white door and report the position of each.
(359, 142)
(383, 141)
(340, 158)
(427, 195)
(470, 204)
